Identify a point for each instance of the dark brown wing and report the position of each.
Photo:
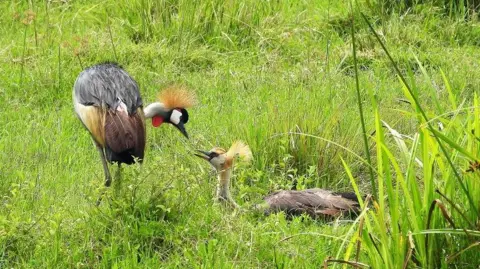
(314, 202)
(124, 136)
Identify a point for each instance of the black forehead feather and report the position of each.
(212, 154)
(184, 115)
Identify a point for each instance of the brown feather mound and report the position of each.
(177, 96)
(124, 136)
(313, 202)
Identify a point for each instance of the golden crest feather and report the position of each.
(239, 148)
(177, 96)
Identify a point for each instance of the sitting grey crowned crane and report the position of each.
(313, 202)
(108, 103)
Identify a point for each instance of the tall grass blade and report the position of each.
(424, 116)
(401, 144)
(472, 226)
(360, 228)
(351, 263)
(22, 65)
(449, 231)
(376, 247)
(411, 248)
(433, 93)
(59, 56)
(111, 38)
(360, 107)
(354, 184)
(454, 145)
(454, 256)
(451, 96)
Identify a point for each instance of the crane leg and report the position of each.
(118, 174)
(118, 178)
(108, 178)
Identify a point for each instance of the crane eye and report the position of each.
(213, 155)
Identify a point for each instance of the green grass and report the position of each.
(263, 74)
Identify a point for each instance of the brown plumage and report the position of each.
(124, 136)
(120, 134)
(313, 202)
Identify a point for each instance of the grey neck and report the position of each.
(153, 109)
(223, 188)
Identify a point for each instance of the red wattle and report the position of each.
(157, 121)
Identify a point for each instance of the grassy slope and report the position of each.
(259, 70)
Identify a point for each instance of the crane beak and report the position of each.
(204, 155)
(181, 128)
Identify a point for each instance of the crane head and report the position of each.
(172, 107)
(177, 117)
(216, 157)
(222, 160)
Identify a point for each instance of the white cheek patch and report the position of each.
(175, 117)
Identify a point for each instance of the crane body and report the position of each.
(107, 101)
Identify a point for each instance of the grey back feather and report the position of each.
(106, 85)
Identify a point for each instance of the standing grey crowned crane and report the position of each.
(313, 202)
(108, 103)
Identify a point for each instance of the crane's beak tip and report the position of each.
(182, 129)
(204, 155)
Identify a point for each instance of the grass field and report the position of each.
(280, 76)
